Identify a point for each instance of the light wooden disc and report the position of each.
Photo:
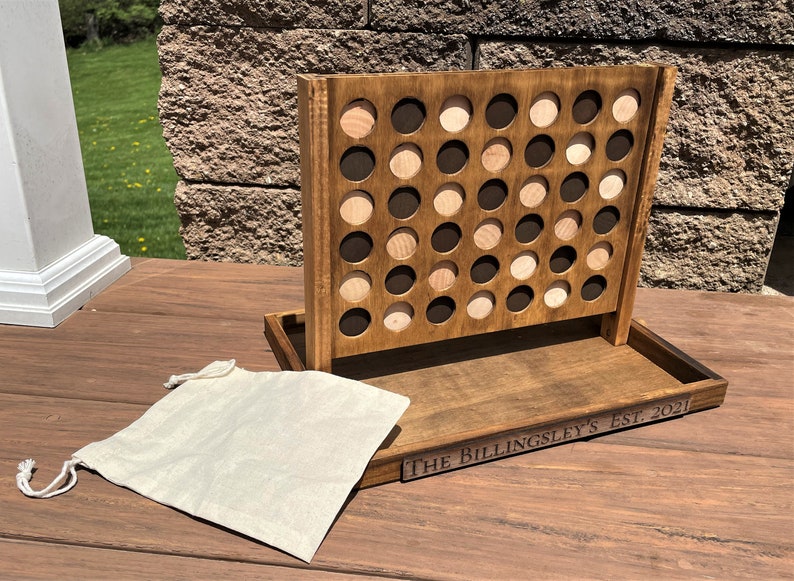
(497, 154)
(480, 305)
(557, 293)
(626, 105)
(544, 109)
(402, 243)
(356, 207)
(579, 148)
(533, 191)
(524, 265)
(611, 184)
(455, 113)
(406, 160)
(358, 118)
(442, 275)
(355, 286)
(568, 224)
(488, 233)
(448, 199)
(398, 316)
(599, 255)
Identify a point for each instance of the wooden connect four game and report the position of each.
(473, 240)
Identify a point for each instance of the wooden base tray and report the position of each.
(479, 398)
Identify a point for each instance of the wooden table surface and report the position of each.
(708, 495)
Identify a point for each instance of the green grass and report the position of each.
(129, 171)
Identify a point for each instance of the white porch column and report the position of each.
(51, 262)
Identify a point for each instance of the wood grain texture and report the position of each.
(706, 495)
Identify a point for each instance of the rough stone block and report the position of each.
(745, 21)
(266, 13)
(720, 251)
(240, 224)
(228, 101)
(730, 139)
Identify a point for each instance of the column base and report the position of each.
(47, 297)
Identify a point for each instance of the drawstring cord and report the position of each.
(224, 368)
(67, 479)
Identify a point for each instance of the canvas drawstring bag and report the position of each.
(272, 455)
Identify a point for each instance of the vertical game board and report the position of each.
(445, 205)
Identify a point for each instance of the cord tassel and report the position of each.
(225, 368)
(67, 479)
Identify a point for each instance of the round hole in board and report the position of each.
(580, 148)
(480, 305)
(488, 233)
(440, 310)
(492, 195)
(408, 115)
(605, 220)
(356, 207)
(626, 105)
(402, 243)
(448, 199)
(400, 280)
(403, 203)
(557, 293)
(357, 164)
(355, 286)
(354, 322)
(611, 184)
(355, 247)
(446, 237)
(562, 259)
(484, 269)
(539, 151)
(442, 275)
(358, 118)
(452, 157)
(405, 160)
(496, 154)
(523, 265)
(574, 186)
(594, 287)
(599, 254)
(544, 109)
(501, 111)
(619, 145)
(533, 191)
(567, 224)
(529, 228)
(520, 298)
(398, 316)
(455, 113)
(586, 107)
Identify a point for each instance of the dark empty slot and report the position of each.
(440, 310)
(355, 247)
(586, 107)
(529, 228)
(400, 280)
(619, 145)
(519, 298)
(574, 187)
(408, 115)
(484, 269)
(562, 259)
(539, 151)
(354, 322)
(446, 237)
(594, 287)
(452, 157)
(357, 164)
(501, 111)
(492, 194)
(403, 203)
(605, 220)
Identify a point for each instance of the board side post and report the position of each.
(313, 130)
(615, 325)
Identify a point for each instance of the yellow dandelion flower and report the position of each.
(144, 249)
(136, 143)
(148, 171)
(141, 239)
(137, 185)
(112, 148)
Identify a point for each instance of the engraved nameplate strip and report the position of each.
(528, 439)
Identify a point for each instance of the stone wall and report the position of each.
(229, 109)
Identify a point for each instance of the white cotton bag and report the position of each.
(272, 455)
